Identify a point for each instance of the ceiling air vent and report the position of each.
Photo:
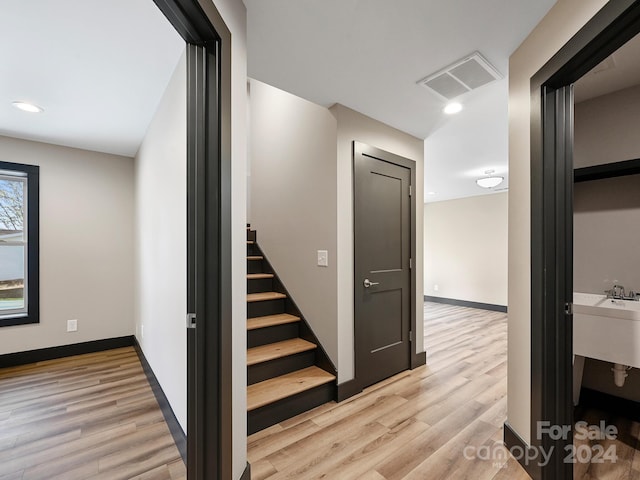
(460, 77)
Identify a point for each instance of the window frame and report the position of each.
(32, 239)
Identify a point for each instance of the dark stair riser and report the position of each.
(255, 266)
(268, 307)
(280, 366)
(271, 414)
(252, 249)
(251, 235)
(276, 333)
(260, 285)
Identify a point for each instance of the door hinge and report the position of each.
(410, 190)
(411, 336)
(410, 263)
(568, 308)
(191, 320)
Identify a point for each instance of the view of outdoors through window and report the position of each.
(13, 244)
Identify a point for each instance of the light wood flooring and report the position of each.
(86, 417)
(414, 425)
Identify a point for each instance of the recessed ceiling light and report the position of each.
(431, 193)
(28, 107)
(453, 107)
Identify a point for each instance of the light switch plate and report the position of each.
(72, 325)
(323, 258)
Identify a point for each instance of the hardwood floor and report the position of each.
(86, 417)
(415, 425)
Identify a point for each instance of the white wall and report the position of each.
(605, 128)
(559, 25)
(234, 14)
(293, 200)
(355, 126)
(606, 222)
(86, 245)
(301, 202)
(465, 249)
(161, 243)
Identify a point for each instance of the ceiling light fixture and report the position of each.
(431, 193)
(28, 107)
(452, 108)
(489, 181)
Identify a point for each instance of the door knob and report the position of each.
(368, 283)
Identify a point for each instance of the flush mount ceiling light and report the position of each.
(490, 180)
(27, 107)
(452, 108)
(431, 193)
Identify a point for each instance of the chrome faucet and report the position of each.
(618, 293)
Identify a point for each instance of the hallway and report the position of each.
(413, 425)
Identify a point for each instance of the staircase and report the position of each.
(288, 372)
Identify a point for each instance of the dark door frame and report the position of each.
(415, 359)
(552, 224)
(209, 401)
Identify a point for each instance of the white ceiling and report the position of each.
(98, 68)
(369, 54)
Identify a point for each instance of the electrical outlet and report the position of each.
(436, 287)
(72, 325)
(323, 258)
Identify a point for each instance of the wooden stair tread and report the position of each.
(264, 296)
(250, 242)
(278, 388)
(271, 351)
(271, 321)
(255, 257)
(258, 276)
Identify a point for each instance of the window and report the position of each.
(19, 285)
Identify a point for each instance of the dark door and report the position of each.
(382, 254)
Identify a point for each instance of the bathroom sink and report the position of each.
(606, 329)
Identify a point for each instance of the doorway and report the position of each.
(209, 369)
(552, 180)
(384, 249)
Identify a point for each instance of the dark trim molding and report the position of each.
(552, 221)
(188, 18)
(32, 287)
(515, 444)
(246, 475)
(306, 332)
(352, 387)
(209, 344)
(607, 170)
(179, 437)
(418, 359)
(347, 390)
(465, 303)
(51, 353)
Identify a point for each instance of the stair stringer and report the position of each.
(305, 331)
